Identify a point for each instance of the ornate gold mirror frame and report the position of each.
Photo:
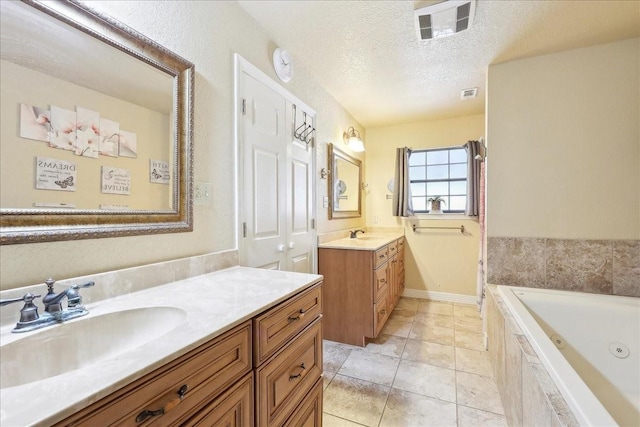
(20, 225)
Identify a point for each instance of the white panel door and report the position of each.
(299, 190)
(264, 157)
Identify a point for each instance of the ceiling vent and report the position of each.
(444, 18)
(469, 93)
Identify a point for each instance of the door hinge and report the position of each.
(244, 229)
(244, 107)
(313, 223)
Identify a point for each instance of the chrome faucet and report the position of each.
(54, 313)
(354, 233)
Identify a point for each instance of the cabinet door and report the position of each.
(380, 281)
(380, 314)
(233, 408)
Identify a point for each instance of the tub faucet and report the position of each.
(354, 233)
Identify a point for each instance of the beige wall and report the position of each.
(436, 260)
(563, 136)
(208, 34)
(40, 90)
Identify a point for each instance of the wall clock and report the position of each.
(283, 64)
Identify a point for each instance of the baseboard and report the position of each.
(439, 296)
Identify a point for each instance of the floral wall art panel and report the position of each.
(87, 132)
(54, 174)
(63, 128)
(128, 144)
(35, 123)
(109, 137)
(116, 180)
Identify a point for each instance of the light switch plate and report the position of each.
(325, 202)
(202, 193)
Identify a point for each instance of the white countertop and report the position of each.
(364, 242)
(214, 303)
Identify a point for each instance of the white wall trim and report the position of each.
(439, 296)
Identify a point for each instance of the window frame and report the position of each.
(425, 181)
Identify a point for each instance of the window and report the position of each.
(439, 172)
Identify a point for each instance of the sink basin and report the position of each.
(69, 346)
(369, 238)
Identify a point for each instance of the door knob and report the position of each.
(280, 248)
(291, 245)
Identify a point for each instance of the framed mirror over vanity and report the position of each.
(96, 135)
(345, 185)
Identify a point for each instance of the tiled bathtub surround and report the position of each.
(528, 393)
(595, 266)
(113, 283)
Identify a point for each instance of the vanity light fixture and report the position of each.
(352, 139)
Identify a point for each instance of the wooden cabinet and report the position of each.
(287, 356)
(263, 372)
(360, 289)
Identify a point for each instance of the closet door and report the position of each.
(300, 196)
(264, 159)
(276, 189)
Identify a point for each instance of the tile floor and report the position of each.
(428, 367)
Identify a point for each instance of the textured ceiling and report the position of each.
(366, 54)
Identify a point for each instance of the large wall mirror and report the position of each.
(96, 127)
(345, 185)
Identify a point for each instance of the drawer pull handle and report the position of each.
(381, 256)
(293, 319)
(293, 377)
(166, 408)
(383, 280)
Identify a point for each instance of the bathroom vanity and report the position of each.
(363, 280)
(245, 350)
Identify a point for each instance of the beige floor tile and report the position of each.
(431, 353)
(329, 420)
(326, 378)
(334, 354)
(389, 345)
(406, 303)
(430, 333)
(402, 315)
(467, 324)
(405, 409)
(376, 368)
(470, 340)
(470, 417)
(473, 361)
(478, 392)
(441, 320)
(435, 307)
(427, 380)
(397, 328)
(466, 310)
(355, 400)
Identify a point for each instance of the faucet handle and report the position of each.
(74, 299)
(29, 312)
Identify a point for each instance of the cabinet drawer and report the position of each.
(309, 413)
(283, 381)
(205, 372)
(400, 244)
(381, 257)
(380, 314)
(278, 325)
(234, 408)
(393, 248)
(381, 281)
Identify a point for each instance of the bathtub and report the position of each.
(589, 344)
